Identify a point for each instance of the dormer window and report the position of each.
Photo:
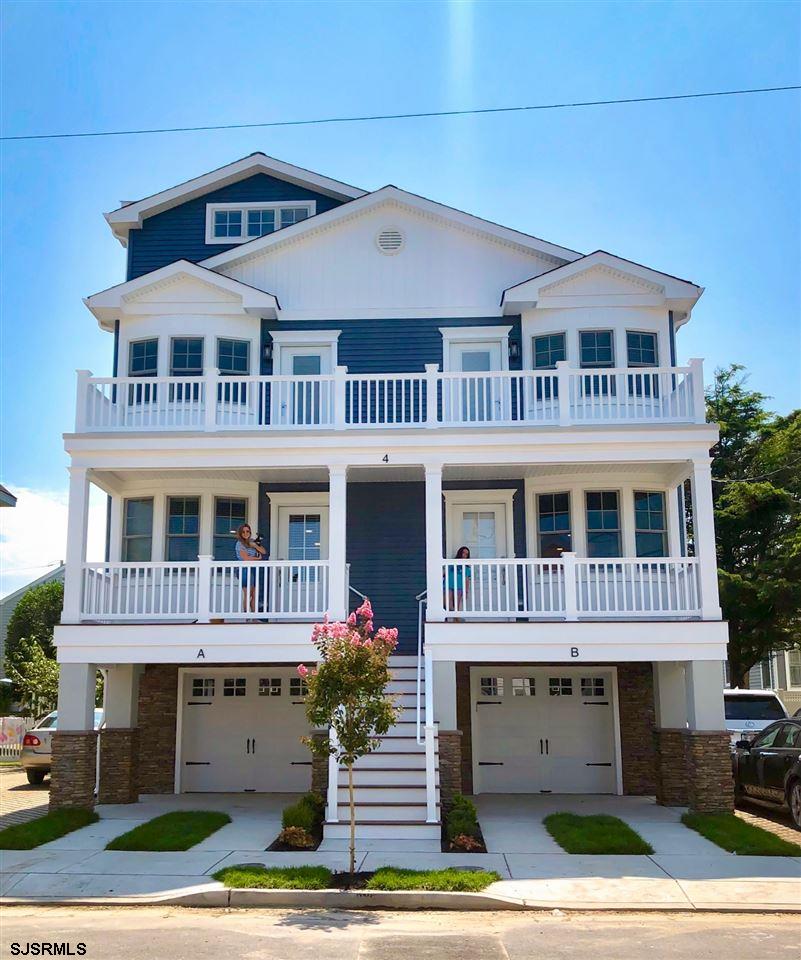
(239, 222)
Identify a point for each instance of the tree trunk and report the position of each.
(352, 820)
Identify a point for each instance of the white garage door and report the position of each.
(543, 730)
(241, 731)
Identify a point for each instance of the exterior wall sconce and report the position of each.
(268, 351)
(514, 350)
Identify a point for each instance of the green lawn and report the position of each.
(26, 836)
(275, 878)
(737, 836)
(594, 834)
(452, 880)
(171, 831)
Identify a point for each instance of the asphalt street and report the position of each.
(152, 933)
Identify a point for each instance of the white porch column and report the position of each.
(670, 695)
(121, 695)
(435, 608)
(443, 678)
(704, 536)
(76, 697)
(77, 531)
(704, 686)
(337, 539)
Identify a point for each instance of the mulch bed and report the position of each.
(352, 881)
(446, 847)
(278, 847)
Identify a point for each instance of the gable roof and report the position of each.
(7, 498)
(129, 216)
(11, 599)
(531, 293)
(108, 304)
(412, 201)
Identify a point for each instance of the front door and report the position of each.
(241, 731)
(302, 537)
(482, 528)
(481, 395)
(306, 400)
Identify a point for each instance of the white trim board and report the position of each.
(454, 498)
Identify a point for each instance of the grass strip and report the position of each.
(171, 831)
(595, 834)
(275, 878)
(450, 880)
(26, 836)
(737, 836)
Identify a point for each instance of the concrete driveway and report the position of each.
(20, 800)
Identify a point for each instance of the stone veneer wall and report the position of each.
(319, 769)
(710, 787)
(671, 767)
(450, 767)
(73, 769)
(635, 687)
(119, 765)
(464, 721)
(158, 707)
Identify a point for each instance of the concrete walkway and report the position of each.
(685, 871)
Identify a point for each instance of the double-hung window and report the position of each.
(229, 514)
(642, 351)
(547, 351)
(793, 663)
(597, 351)
(143, 358)
(650, 525)
(553, 523)
(137, 530)
(183, 528)
(186, 360)
(233, 360)
(603, 523)
(227, 224)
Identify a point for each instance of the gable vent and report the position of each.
(390, 240)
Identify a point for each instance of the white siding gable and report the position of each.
(600, 281)
(183, 289)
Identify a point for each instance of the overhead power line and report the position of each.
(399, 116)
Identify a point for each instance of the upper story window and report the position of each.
(603, 523)
(183, 528)
(143, 358)
(186, 357)
(641, 348)
(650, 523)
(137, 530)
(233, 357)
(229, 514)
(597, 348)
(549, 350)
(240, 222)
(553, 523)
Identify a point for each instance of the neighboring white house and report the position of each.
(373, 380)
(781, 671)
(9, 603)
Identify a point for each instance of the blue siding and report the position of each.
(390, 345)
(180, 233)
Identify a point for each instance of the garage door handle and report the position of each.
(247, 747)
(254, 745)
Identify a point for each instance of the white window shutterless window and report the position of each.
(306, 399)
(302, 540)
(488, 587)
(482, 394)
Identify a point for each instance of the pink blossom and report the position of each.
(365, 611)
(303, 670)
(369, 626)
(352, 619)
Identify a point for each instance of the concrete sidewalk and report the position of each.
(685, 872)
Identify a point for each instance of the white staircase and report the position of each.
(390, 782)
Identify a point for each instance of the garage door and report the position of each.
(543, 730)
(241, 731)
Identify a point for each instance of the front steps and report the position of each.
(390, 783)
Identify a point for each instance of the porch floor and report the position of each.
(685, 871)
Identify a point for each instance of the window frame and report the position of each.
(642, 333)
(233, 373)
(788, 668)
(597, 365)
(188, 336)
(538, 494)
(231, 537)
(135, 343)
(181, 536)
(665, 520)
(588, 531)
(542, 336)
(310, 206)
(125, 538)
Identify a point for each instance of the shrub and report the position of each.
(296, 837)
(462, 819)
(307, 813)
(463, 842)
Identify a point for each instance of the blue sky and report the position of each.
(707, 190)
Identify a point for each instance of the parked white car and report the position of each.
(748, 712)
(36, 746)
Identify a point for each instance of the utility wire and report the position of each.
(756, 479)
(400, 116)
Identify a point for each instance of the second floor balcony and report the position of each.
(432, 399)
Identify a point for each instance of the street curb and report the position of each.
(383, 900)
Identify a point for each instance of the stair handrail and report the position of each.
(421, 602)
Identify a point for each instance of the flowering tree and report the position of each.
(347, 692)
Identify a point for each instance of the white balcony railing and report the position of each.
(343, 401)
(571, 588)
(204, 590)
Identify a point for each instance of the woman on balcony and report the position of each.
(248, 549)
(458, 580)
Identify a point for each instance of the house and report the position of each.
(779, 671)
(373, 380)
(7, 498)
(9, 602)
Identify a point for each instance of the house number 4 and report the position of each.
(385, 458)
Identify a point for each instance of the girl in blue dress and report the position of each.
(458, 580)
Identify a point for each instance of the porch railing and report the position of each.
(343, 401)
(571, 588)
(205, 589)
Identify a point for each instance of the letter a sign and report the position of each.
(200, 655)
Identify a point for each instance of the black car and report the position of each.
(769, 766)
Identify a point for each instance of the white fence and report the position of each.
(570, 588)
(205, 589)
(12, 730)
(345, 401)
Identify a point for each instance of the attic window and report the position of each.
(390, 240)
(239, 222)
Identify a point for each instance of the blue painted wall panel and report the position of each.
(180, 233)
